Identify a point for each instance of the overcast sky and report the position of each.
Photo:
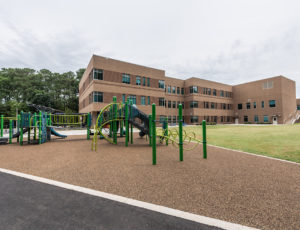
(232, 41)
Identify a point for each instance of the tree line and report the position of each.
(20, 87)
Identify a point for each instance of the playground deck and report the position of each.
(236, 187)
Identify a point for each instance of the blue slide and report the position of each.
(53, 132)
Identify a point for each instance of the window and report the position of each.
(98, 74)
(228, 119)
(255, 118)
(169, 119)
(98, 96)
(209, 91)
(213, 105)
(132, 98)
(266, 118)
(125, 78)
(194, 119)
(161, 119)
(143, 100)
(254, 105)
(222, 93)
(245, 118)
(174, 89)
(178, 103)
(224, 106)
(174, 119)
(214, 92)
(182, 91)
(272, 103)
(174, 104)
(263, 104)
(178, 90)
(222, 119)
(206, 105)
(193, 89)
(240, 106)
(215, 119)
(267, 85)
(148, 81)
(182, 104)
(298, 107)
(161, 101)
(138, 80)
(169, 104)
(144, 81)
(193, 104)
(169, 89)
(248, 105)
(148, 100)
(123, 98)
(161, 84)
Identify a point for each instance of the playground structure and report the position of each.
(40, 126)
(116, 116)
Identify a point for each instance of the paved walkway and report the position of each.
(27, 204)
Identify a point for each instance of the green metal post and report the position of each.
(28, 133)
(126, 124)
(180, 133)
(21, 130)
(88, 126)
(10, 131)
(131, 126)
(40, 128)
(204, 139)
(18, 129)
(2, 124)
(121, 124)
(34, 124)
(153, 135)
(166, 131)
(115, 116)
(150, 129)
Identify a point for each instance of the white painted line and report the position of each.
(257, 155)
(153, 207)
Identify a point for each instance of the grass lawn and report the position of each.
(279, 141)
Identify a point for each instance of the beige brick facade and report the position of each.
(202, 99)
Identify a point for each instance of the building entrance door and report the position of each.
(274, 120)
(236, 121)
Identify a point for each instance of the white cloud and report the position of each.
(230, 41)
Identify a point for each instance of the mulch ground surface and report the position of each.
(231, 186)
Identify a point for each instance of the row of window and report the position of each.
(210, 105)
(256, 118)
(195, 119)
(272, 104)
(172, 89)
(209, 91)
(173, 104)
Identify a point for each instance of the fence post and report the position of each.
(2, 124)
(180, 133)
(18, 128)
(126, 124)
(131, 126)
(166, 133)
(150, 129)
(88, 126)
(153, 135)
(34, 129)
(28, 132)
(10, 131)
(21, 131)
(204, 139)
(115, 116)
(40, 127)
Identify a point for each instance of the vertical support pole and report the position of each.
(204, 139)
(126, 125)
(21, 131)
(115, 116)
(34, 124)
(2, 124)
(10, 131)
(166, 134)
(150, 129)
(131, 126)
(28, 132)
(88, 126)
(180, 133)
(19, 125)
(40, 127)
(153, 135)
